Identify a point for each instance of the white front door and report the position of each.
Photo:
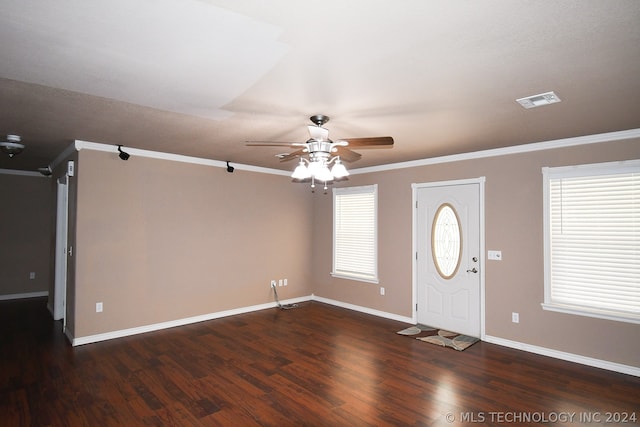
(448, 257)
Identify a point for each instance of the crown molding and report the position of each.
(21, 173)
(86, 145)
(63, 156)
(516, 149)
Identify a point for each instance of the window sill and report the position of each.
(599, 314)
(354, 277)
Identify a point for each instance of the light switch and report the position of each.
(495, 255)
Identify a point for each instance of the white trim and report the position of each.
(24, 295)
(179, 322)
(61, 249)
(211, 316)
(86, 145)
(354, 277)
(592, 169)
(589, 312)
(598, 363)
(359, 276)
(516, 149)
(68, 334)
(480, 180)
(574, 171)
(414, 241)
(64, 155)
(21, 173)
(570, 357)
(362, 309)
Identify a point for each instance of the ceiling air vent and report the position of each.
(538, 100)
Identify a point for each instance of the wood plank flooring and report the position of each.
(316, 365)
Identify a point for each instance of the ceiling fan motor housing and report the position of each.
(319, 119)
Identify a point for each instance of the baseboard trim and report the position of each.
(89, 339)
(570, 357)
(25, 295)
(69, 336)
(362, 309)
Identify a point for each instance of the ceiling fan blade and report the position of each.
(274, 144)
(374, 141)
(318, 133)
(293, 155)
(346, 154)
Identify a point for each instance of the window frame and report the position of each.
(370, 277)
(586, 170)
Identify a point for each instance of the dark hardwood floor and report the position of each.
(315, 365)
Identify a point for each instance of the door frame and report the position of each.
(414, 234)
(62, 227)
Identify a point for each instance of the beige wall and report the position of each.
(513, 224)
(159, 240)
(26, 231)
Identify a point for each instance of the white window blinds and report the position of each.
(592, 240)
(355, 253)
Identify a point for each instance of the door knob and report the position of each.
(473, 270)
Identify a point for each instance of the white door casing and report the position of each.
(60, 286)
(448, 291)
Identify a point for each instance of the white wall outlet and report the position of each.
(98, 307)
(273, 284)
(381, 290)
(32, 275)
(285, 282)
(495, 255)
(515, 317)
(280, 282)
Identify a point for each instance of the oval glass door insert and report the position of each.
(446, 241)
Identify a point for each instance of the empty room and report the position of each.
(347, 213)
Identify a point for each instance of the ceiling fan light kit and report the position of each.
(12, 145)
(319, 152)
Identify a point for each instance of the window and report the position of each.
(446, 241)
(592, 240)
(355, 239)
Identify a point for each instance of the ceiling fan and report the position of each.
(322, 151)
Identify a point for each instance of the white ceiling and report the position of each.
(201, 77)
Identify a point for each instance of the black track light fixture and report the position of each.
(230, 168)
(123, 155)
